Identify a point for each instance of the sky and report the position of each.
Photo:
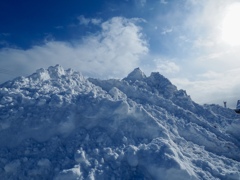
(194, 43)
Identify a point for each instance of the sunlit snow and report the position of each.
(57, 124)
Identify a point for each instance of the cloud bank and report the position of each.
(112, 52)
(213, 87)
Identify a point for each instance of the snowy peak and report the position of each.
(53, 72)
(53, 87)
(56, 71)
(136, 74)
(47, 76)
(155, 81)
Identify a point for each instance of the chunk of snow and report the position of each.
(132, 158)
(12, 167)
(70, 174)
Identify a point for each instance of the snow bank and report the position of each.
(56, 124)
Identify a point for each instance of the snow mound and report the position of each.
(136, 74)
(56, 124)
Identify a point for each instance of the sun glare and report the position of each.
(231, 25)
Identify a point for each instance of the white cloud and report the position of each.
(163, 2)
(213, 87)
(86, 21)
(200, 42)
(210, 75)
(96, 21)
(114, 52)
(166, 31)
(83, 20)
(166, 67)
(219, 59)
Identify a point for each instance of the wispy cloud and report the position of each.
(163, 2)
(200, 42)
(141, 3)
(213, 87)
(210, 75)
(166, 67)
(4, 34)
(166, 30)
(113, 52)
(86, 21)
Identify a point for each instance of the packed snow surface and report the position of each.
(56, 124)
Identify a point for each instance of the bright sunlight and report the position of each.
(231, 25)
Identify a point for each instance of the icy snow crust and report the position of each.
(56, 124)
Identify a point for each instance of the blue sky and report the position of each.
(194, 43)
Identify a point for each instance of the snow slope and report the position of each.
(56, 124)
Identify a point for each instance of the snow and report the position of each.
(136, 74)
(56, 124)
(238, 105)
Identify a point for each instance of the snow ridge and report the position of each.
(56, 124)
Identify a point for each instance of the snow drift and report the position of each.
(56, 124)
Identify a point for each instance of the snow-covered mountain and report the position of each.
(56, 124)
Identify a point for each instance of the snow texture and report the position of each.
(56, 124)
